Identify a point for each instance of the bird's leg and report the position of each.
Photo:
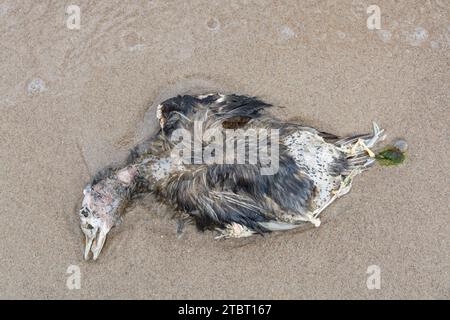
(234, 230)
(377, 136)
(344, 188)
(306, 217)
(346, 184)
(363, 144)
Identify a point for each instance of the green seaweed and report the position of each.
(390, 156)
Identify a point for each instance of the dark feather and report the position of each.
(219, 194)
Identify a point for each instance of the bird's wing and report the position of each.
(219, 194)
(211, 206)
(232, 110)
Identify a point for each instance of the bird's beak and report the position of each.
(95, 243)
(87, 248)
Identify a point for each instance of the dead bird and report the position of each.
(235, 198)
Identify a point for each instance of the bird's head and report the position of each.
(102, 205)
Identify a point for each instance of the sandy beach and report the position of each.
(76, 100)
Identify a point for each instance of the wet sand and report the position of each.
(73, 101)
